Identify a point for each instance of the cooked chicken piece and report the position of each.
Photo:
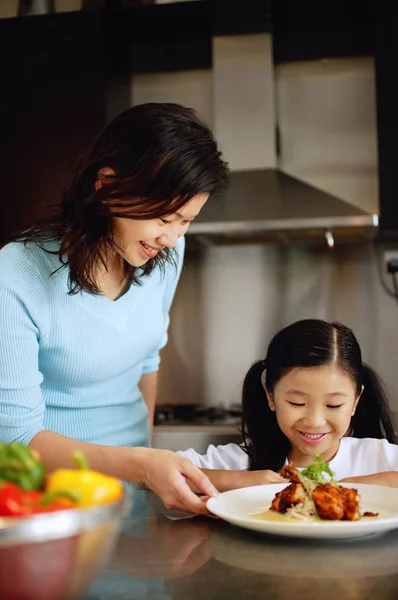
(290, 472)
(290, 496)
(307, 498)
(329, 502)
(351, 500)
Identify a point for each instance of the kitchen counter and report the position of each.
(181, 436)
(207, 559)
(213, 428)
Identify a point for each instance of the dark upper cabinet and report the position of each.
(235, 17)
(52, 104)
(178, 36)
(330, 29)
(386, 63)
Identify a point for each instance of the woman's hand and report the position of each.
(165, 473)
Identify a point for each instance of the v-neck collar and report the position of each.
(116, 312)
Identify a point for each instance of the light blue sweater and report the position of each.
(72, 363)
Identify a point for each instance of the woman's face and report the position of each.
(313, 408)
(140, 240)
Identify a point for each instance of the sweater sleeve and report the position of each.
(151, 363)
(22, 305)
(228, 457)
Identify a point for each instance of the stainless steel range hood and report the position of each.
(263, 203)
(268, 205)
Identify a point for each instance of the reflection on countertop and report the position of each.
(160, 559)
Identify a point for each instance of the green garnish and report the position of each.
(317, 469)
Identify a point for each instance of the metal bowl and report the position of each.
(56, 556)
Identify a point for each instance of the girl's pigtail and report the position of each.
(373, 417)
(263, 441)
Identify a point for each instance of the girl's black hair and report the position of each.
(309, 343)
(162, 155)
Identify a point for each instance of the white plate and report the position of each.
(237, 506)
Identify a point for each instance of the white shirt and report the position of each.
(354, 457)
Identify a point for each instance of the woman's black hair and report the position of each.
(161, 154)
(309, 343)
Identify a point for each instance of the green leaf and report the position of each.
(316, 472)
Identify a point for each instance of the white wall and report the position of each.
(191, 88)
(233, 298)
(327, 120)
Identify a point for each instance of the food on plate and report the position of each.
(314, 493)
(26, 489)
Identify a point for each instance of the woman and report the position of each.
(85, 296)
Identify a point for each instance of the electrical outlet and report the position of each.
(391, 260)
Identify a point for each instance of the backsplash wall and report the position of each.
(327, 124)
(232, 299)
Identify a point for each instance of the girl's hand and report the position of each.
(165, 473)
(225, 480)
(260, 478)
(387, 478)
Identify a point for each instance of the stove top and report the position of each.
(170, 414)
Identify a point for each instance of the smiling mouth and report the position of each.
(150, 251)
(312, 438)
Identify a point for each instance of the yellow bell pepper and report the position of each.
(90, 486)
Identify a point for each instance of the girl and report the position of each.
(85, 296)
(311, 395)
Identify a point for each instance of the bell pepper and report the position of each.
(93, 487)
(15, 502)
(19, 465)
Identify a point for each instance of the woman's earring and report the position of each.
(105, 176)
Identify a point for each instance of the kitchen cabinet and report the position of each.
(52, 104)
(199, 437)
(235, 17)
(386, 61)
(314, 30)
(178, 36)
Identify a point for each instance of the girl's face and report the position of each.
(313, 408)
(140, 240)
